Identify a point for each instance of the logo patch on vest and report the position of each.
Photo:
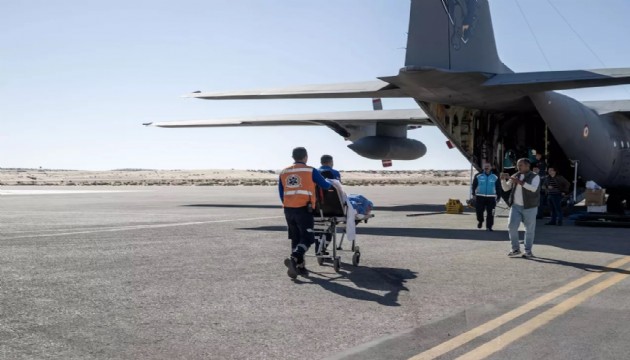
(293, 181)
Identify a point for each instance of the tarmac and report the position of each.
(198, 273)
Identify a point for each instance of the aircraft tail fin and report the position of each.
(452, 34)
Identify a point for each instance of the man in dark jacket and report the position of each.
(487, 189)
(557, 187)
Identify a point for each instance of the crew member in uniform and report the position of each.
(487, 189)
(297, 193)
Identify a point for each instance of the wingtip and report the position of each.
(147, 124)
(192, 94)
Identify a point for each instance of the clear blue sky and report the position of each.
(80, 77)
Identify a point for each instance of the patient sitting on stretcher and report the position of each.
(350, 209)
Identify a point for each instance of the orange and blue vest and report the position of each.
(297, 185)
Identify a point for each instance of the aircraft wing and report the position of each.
(411, 117)
(610, 106)
(369, 89)
(529, 82)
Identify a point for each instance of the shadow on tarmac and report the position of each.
(614, 241)
(581, 266)
(389, 280)
(432, 233)
(417, 208)
(432, 208)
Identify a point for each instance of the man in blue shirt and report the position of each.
(327, 170)
(487, 189)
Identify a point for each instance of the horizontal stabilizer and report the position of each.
(369, 89)
(395, 117)
(530, 82)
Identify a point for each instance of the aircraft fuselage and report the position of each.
(456, 102)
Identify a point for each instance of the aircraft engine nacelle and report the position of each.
(386, 147)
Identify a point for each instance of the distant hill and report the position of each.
(146, 177)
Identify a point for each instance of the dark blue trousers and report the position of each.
(300, 223)
(487, 205)
(555, 203)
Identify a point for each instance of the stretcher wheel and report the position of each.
(320, 261)
(356, 258)
(337, 264)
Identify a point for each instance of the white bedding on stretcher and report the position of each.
(351, 213)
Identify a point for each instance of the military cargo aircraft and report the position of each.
(488, 112)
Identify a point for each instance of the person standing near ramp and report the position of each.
(296, 187)
(557, 188)
(487, 189)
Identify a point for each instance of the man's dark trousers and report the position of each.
(486, 203)
(300, 223)
(555, 203)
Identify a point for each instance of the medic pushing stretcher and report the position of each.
(312, 209)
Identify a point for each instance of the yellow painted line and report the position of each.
(530, 326)
(480, 330)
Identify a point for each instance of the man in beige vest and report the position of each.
(524, 187)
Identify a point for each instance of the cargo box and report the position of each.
(595, 197)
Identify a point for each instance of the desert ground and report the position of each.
(214, 177)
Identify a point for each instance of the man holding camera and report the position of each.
(296, 187)
(524, 187)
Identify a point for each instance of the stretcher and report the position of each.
(333, 211)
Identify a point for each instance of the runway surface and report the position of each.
(197, 273)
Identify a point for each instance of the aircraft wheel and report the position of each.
(356, 258)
